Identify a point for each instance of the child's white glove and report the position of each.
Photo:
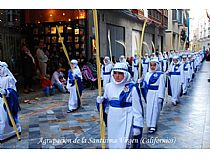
(99, 99)
(139, 80)
(3, 91)
(136, 131)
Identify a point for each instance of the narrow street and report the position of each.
(45, 123)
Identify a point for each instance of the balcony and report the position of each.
(138, 12)
(155, 16)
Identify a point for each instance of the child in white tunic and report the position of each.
(190, 60)
(8, 89)
(165, 62)
(135, 67)
(75, 74)
(154, 83)
(145, 64)
(176, 73)
(186, 67)
(125, 114)
(106, 71)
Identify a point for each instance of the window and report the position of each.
(149, 12)
(180, 16)
(117, 33)
(174, 14)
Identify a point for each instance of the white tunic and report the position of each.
(152, 107)
(176, 81)
(145, 66)
(106, 75)
(165, 65)
(120, 120)
(6, 130)
(73, 99)
(186, 76)
(191, 70)
(135, 65)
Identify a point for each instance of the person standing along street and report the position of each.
(56, 80)
(28, 66)
(42, 58)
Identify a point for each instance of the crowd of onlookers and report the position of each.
(51, 69)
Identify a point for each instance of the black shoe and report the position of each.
(152, 130)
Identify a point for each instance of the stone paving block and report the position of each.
(33, 125)
(34, 129)
(35, 134)
(49, 112)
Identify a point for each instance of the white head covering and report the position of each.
(107, 59)
(184, 56)
(121, 67)
(154, 60)
(5, 72)
(160, 56)
(122, 59)
(177, 58)
(76, 69)
(165, 55)
(74, 63)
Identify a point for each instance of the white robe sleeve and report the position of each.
(138, 119)
(110, 67)
(161, 90)
(188, 72)
(106, 92)
(181, 74)
(170, 67)
(68, 84)
(102, 72)
(132, 66)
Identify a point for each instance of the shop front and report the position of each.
(41, 26)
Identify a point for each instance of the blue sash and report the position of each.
(117, 104)
(107, 73)
(185, 68)
(174, 73)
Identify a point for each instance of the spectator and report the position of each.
(53, 60)
(55, 80)
(28, 64)
(47, 86)
(92, 66)
(42, 58)
(88, 75)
